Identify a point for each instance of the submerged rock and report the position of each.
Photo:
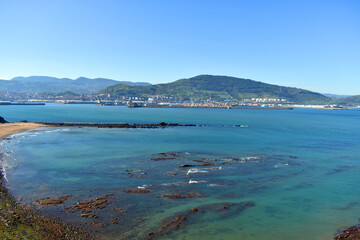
(162, 158)
(173, 223)
(183, 195)
(86, 207)
(193, 210)
(53, 201)
(119, 210)
(96, 223)
(137, 190)
(169, 154)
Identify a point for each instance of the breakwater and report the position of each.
(115, 125)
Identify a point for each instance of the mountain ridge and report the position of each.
(39, 84)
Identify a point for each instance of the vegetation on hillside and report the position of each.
(348, 101)
(219, 88)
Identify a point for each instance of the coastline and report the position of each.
(20, 221)
(7, 129)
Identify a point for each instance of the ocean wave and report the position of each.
(198, 170)
(7, 158)
(194, 181)
(195, 170)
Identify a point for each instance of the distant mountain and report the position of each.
(348, 101)
(219, 87)
(40, 84)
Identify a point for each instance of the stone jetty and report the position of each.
(115, 125)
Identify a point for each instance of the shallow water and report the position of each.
(299, 170)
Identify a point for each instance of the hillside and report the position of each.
(40, 84)
(57, 94)
(348, 101)
(218, 87)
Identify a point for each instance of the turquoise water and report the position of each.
(299, 169)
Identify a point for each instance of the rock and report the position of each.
(162, 124)
(96, 224)
(172, 225)
(53, 201)
(114, 220)
(2, 120)
(352, 233)
(88, 215)
(150, 235)
(119, 210)
(183, 195)
(86, 207)
(193, 210)
(188, 165)
(169, 154)
(204, 163)
(162, 159)
(137, 190)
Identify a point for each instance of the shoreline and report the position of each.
(7, 129)
(20, 221)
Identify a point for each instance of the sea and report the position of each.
(247, 174)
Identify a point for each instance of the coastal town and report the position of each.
(157, 101)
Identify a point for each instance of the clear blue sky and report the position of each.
(312, 44)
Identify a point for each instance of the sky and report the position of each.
(311, 44)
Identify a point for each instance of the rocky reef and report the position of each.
(168, 225)
(22, 222)
(352, 233)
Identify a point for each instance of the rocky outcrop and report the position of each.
(2, 120)
(352, 233)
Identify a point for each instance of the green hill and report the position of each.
(348, 101)
(219, 88)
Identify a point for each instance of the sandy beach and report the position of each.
(7, 129)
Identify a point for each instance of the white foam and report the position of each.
(195, 170)
(4, 173)
(194, 182)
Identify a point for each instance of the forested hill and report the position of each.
(219, 87)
